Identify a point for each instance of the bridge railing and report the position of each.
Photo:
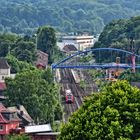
(95, 65)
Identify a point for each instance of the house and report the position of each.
(2, 88)
(4, 69)
(9, 122)
(22, 114)
(42, 60)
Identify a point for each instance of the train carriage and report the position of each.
(69, 96)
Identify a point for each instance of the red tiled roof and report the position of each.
(2, 86)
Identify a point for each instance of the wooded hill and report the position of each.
(66, 16)
(119, 34)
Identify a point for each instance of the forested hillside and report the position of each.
(119, 33)
(122, 34)
(23, 16)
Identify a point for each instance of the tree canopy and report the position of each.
(121, 34)
(24, 51)
(18, 137)
(22, 48)
(114, 113)
(36, 91)
(46, 42)
(17, 66)
(130, 76)
(26, 16)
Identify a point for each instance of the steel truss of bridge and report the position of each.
(63, 63)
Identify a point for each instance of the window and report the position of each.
(1, 127)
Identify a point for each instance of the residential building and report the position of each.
(42, 60)
(4, 69)
(22, 114)
(2, 88)
(4, 72)
(9, 122)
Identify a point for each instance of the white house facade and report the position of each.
(4, 69)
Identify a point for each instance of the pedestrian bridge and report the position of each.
(128, 59)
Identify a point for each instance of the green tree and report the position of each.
(23, 17)
(6, 43)
(112, 114)
(37, 93)
(24, 51)
(16, 65)
(130, 76)
(18, 137)
(46, 41)
(4, 49)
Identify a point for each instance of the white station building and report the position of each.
(80, 42)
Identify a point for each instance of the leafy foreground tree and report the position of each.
(113, 114)
(18, 137)
(36, 92)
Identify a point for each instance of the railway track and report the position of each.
(90, 84)
(68, 82)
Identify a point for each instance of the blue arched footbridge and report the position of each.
(100, 58)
